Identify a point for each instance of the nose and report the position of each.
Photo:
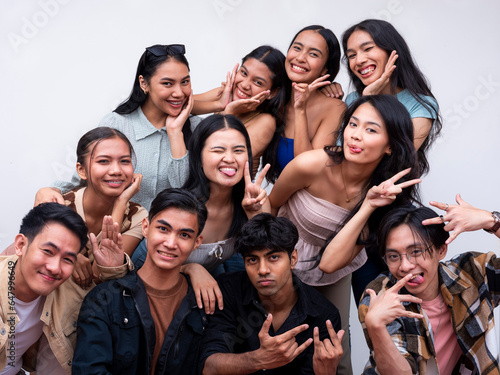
(53, 265)
(406, 266)
(115, 168)
(360, 58)
(169, 241)
(245, 83)
(263, 268)
(228, 156)
(356, 133)
(177, 91)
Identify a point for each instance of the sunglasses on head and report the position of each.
(170, 49)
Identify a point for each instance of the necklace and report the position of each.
(345, 189)
(251, 117)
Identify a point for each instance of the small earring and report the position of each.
(145, 92)
(389, 153)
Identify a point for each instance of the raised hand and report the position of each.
(109, 253)
(277, 351)
(225, 94)
(255, 196)
(385, 193)
(386, 307)
(132, 189)
(302, 91)
(377, 86)
(48, 194)
(460, 217)
(206, 289)
(246, 105)
(333, 90)
(82, 272)
(327, 353)
(175, 123)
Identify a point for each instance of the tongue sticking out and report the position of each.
(228, 171)
(417, 280)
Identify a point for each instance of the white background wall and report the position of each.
(66, 63)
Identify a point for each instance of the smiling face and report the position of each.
(223, 157)
(168, 89)
(366, 60)
(108, 166)
(45, 262)
(425, 283)
(365, 136)
(270, 272)
(307, 57)
(171, 236)
(252, 78)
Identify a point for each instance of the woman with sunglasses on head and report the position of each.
(322, 191)
(155, 120)
(313, 56)
(255, 94)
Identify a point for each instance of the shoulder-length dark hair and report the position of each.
(407, 75)
(148, 64)
(399, 129)
(275, 61)
(198, 183)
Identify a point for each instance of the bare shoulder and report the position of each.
(263, 121)
(311, 162)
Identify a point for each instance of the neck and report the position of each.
(357, 174)
(95, 205)
(154, 115)
(156, 277)
(283, 300)
(220, 195)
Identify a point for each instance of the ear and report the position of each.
(441, 251)
(293, 259)
(325, 71)
(21, 244)
(144, 85)
(145, 227)
(198, 242)
(80, 169)
(388, 151)
(273, 93)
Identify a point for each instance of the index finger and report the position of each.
(409, 183)
(262, 174)
(320, 79)
(401, 283)
(294, 331)
(267, 324)
(333, 335)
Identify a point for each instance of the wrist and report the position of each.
(493, 222)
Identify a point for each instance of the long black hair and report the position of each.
(275, 61)
(407, 75)
(399, 129)
(198, 183)
(148, 64)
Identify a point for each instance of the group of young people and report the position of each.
(177, 204)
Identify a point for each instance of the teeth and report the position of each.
(176, 103)
(241, 93)
(298, 68)
(368, 70)
(165, 254)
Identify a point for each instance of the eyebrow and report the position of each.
(270, 252)
(173, 80)
(368, 122)
(259, 78)
(361, 45)
(165, 223)
(55, 247)
(310, 48)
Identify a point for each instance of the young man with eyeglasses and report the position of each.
(427, 316)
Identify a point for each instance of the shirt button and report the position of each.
(69, 363)
(51, 334)
(125, 321)
(2, 331)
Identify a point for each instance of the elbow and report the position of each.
(325, 266)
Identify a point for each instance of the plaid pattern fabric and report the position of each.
(470, 285)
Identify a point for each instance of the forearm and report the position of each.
(232, 364)
(177, 145)
(301, 141)
(387, 356)
(342, 249)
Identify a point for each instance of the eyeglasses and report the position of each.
(169, 49)
(394, 259)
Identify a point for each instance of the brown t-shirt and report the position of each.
(163, 304)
